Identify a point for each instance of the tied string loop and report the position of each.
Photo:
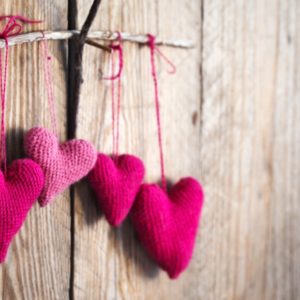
(116, 47)
(13, 27)
(153, 50)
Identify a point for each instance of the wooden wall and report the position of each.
(230, 118)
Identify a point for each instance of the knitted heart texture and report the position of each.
(166, 223)
(116, 181)
(62, 163)
(20, 188)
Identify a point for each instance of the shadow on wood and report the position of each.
(91, 210)
(135, 253)
(14, 144)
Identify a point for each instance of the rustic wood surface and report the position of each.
(230, 118)
(38, 263)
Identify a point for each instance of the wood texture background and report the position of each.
(230, 118)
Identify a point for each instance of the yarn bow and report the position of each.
(14, 25)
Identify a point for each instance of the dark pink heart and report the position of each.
(166, 224)
(116, 182)
(62, 163)
(20, 188)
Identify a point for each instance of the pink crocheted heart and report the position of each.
(116, 182)
(19, 188)
(63, 164)
(166, 224)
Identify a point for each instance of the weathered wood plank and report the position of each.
(250, 150)
(37, 266)
(243, 144)
(109, 263)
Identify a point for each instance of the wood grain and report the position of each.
(250, 150)
(37, 266)
(109, 263)
(230, 118)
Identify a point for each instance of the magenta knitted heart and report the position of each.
(63, 164)
(20, 188)
(116, 182)
(166, 224)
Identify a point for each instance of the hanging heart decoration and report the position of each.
(166, 223)
(20, 187)
(166, 219)
(116, 182)
(62, 163)
(116, 179)
(22, 182)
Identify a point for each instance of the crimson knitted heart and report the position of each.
(166, 224)
(116, 182)
(19, 188)
(63, 164)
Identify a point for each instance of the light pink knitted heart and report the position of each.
(116, 182)
(19, 189)
(63, 164)
(166, 224)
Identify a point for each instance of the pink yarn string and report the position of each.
(173, 67)
(49, 85)
(117, 47)
(119, 101)
(153, 49)
(15, 18)
(11, 28)
(3, 81)
(116, 114)
(113, 106)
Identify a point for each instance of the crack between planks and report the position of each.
(72, 24)
(75, 57)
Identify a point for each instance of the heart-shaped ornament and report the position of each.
(166, 224)
(20, 188)
(116, 182)
(62, 163)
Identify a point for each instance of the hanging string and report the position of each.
(119, 100)
(116, 47)
(113, 106)
(11, 28)
(3, 80)
(153, 49)
(49, 85)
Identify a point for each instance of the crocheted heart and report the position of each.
(166, 224)
(19, 189)
(63, 164)
(116, 182)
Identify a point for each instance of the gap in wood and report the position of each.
(72, 24)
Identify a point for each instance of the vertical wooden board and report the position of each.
(250, 150)
(37, 266)
(110, 263)
(283, 265)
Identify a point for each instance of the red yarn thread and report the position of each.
(153, 49)
(11, 28)
(49, 84)
(116, 120)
